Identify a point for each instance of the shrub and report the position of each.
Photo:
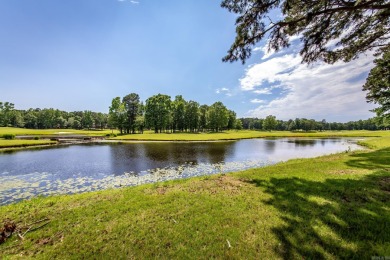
(36, 138)
(9, 136)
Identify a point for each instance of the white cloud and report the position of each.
(259, 101)
(131, 1)
(225, 91)
(318, 91)
(264, 91)
(268, 71)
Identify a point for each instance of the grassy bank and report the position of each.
(226, 135)
(23, 143)
(335, 206)
(244, 134)
(38, 132)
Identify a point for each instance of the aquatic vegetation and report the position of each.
(19, 187)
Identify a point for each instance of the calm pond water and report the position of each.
(81, 168)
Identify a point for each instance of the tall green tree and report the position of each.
(269, 123)
(87, 119)
(192, 115)
(178, 113)
(117, 114)
(132, 106)
(378, 85)
(218, 116)
(232, 120)
(157, 112)
(238, 124)
(6, 110)
(352, 26)
(203, 110)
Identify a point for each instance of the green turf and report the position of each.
(24, 131)
(23, 143)
(233, 135)
(331, 207)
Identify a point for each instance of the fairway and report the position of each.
(245, 134)
(38, 132)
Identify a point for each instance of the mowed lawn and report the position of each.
(331, 207)
(23, 143)
(38, 132)
(243, 134)
(187, 136)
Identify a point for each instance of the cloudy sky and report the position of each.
(79, 54)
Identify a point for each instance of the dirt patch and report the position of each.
(7, 230)
(223, 183)
(161, 190)
(384, 184)
(345, 171)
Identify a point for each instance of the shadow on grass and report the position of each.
(342, 218)
(378, 159)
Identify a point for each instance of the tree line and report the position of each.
(162, 114)
(36, 118)
(303, 124)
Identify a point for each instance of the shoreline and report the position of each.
(129, 141)
(161, 175)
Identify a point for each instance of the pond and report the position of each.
(88, 167)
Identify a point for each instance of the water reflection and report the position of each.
(139, 157)
(80, 168)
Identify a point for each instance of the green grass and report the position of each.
(23, 143)
(244, 134)
(227, 135)
(24, 131)
(330, 207)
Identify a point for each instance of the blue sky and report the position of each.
(80, 54)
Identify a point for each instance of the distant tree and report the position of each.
(87, 119)
(6, 110)
(132, 103)
(291, 125)
(192, 115)
(203, 109)
(232, 119)
(157, 112)
(238, 124)
(16, 118)
(269, 123)
(140, 123)
(352, 26)
(218, 116)
(378, 85)
(30, 119)
(100, 120)
(117, 114)
(257, 124)
(178, 113)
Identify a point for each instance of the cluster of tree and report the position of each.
(46, 118)
(303, 124)
(162, 114)
(329, 31)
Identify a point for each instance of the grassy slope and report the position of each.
(23, 143)
(335, 206)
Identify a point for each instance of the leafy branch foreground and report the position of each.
(331, 207)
